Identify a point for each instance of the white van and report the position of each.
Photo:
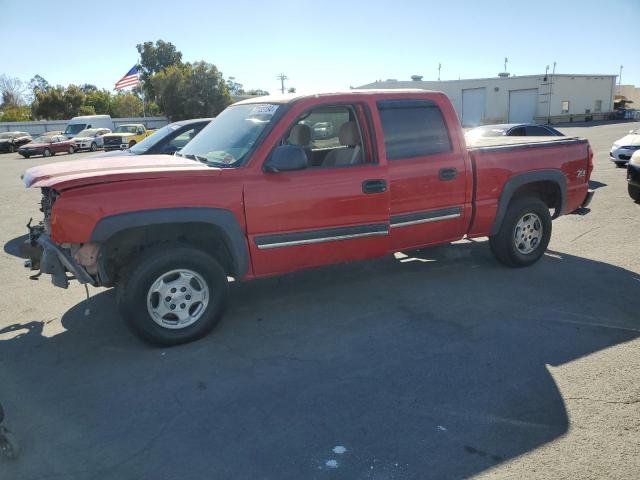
(77, 124)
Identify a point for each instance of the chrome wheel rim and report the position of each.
(177, 299)
(528, 233)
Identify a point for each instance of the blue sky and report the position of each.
(322, 44)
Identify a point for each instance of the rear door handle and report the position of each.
(374, 186)
(447, 174)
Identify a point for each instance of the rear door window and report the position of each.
(537, 132)
(413, 129)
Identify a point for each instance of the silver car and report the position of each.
(90, 139)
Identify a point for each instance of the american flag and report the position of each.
(129, 80)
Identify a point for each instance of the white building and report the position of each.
(528, 98)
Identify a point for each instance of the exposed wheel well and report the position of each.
(547, 190)
(120, 250)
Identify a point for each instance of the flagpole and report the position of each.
(144, 115)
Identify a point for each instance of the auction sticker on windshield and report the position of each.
(264, 109)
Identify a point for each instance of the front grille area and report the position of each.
(113, 141)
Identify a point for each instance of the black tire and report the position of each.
(93, 147)
(621, 164)
(634, 192)
(25, 156)
(503, 244)
(46, 152)
(134, 286)
(71, 151)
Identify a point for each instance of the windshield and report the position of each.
(89, 132)
(126, 129)
(42, 139)
(228, 139)
(75, 128)
(151, 140)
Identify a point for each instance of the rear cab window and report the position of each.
(413, 128)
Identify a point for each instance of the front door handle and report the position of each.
(447, 174)
(374, 186)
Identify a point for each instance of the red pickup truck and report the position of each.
(256, 193)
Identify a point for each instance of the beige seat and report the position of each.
(351, 153)
(300, 135)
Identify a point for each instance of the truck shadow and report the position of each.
(433, 364)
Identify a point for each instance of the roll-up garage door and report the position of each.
(473, 102)
(523, 105)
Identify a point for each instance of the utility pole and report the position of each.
(282, 77)
(439, 67)
(506, 60)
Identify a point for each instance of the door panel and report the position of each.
(315, 217)
(427, 175)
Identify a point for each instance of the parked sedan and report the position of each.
(47, 145)
(323, 130)
(11, 141)
(623, 148)
(633, 176)
(90, 139)
(512, 130)
(167, 140)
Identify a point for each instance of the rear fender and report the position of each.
(512, 185)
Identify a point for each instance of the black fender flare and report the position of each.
(223, 219)
(517, 181)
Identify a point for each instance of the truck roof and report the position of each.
(292, 97)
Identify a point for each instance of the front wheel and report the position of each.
(71, 150)
(46, 152)
(93, 147)
(524, 234)
(173, 294)
(634, 192)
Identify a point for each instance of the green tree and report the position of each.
(74, 98)
(38, 83)
(126, 105)
(155, 58)
(15, 114)
(87, 110)
(191, 91)
(291, 90)
(58, 103)
(101, 101)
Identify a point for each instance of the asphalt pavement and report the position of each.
(437, 364)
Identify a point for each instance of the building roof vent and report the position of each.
(416, 78)
(391, 80)
(503, 74)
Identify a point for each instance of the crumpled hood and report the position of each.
(92, 171)
(631, 139)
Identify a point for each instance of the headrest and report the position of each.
(349, 134)
(300, 135)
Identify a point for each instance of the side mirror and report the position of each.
(286, 158)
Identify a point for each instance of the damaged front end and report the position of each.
(62, 262)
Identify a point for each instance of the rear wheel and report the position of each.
(634, 192)
(524, 234)
(173, 294)
(46, 152)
